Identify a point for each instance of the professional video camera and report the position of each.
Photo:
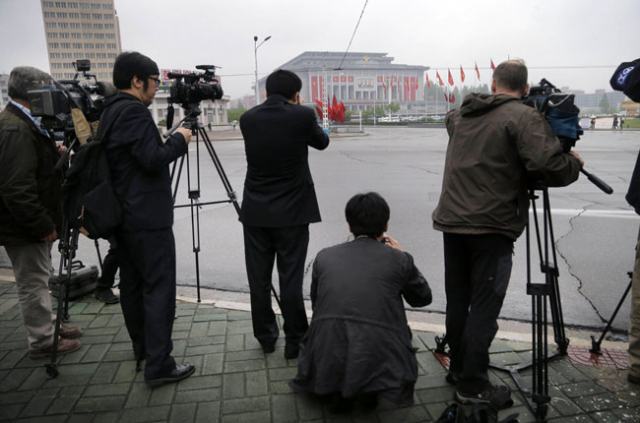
(187, 90)
(559, 110)
(54, 104)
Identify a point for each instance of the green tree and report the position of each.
(163, 122)
(605, 106)
(234, 114)
(393, 107)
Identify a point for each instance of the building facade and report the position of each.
(361, 80)
(4, 91)
(86, 29)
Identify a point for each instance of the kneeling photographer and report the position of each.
(498, 146)
(138, 161)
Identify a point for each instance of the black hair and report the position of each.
(283, 82)
(511, 74)
(130, 64)
(367, 214)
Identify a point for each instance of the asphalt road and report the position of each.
(596, 233)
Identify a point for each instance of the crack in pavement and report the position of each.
(569, 267)
(344, 153)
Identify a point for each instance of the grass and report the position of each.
(632, 123)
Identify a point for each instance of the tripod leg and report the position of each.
(223, 176)
(95, 242)
(595, 345)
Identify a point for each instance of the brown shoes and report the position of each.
(65, 346)
(69, 332)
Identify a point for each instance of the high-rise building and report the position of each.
(81, 30)
(4, 90)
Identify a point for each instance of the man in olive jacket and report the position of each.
(497, 147)
(31, 210)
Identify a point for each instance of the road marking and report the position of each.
(614, 214)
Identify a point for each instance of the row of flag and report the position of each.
(462, 76)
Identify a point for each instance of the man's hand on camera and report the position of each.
(388, 240)
(186, 133)
(51, 237)
(577, 156)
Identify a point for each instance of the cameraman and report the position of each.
(31, 210)
(497, 148)
(138, 160)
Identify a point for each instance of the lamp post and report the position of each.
(255, 52)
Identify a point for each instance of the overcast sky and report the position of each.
(575, 43)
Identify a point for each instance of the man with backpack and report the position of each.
(138, 162)
(31, 211)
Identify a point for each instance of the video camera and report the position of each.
(559, 110)
(54, 104)
(188, 89)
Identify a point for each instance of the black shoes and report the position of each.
(181, 371)
(497, 396)
(107, 296)
(633, 379)
(452, 377)
(291, 351)
(268, 348)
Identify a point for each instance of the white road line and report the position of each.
(614, 214)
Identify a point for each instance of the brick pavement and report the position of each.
(235, 382)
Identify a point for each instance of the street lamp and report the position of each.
(255, 52)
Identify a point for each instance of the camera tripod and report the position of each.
(191, 122)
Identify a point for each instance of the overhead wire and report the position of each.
(353, 35)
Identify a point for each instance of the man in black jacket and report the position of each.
(278, 204)
(31, 210)
(139, 161)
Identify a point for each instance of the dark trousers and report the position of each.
(477, 272)
(289, 246)
(148, 295)
(109, 266)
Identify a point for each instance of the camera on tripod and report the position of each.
(54, 104)
(192, 88)
(559, 110)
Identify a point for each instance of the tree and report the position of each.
(605, 106)
(393, 107)
(234, 114)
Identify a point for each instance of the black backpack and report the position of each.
(90, 202)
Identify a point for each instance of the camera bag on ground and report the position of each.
(473, 413)
(83, 281)
(90, 202)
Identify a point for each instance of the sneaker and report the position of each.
(69, 332)
(65, 346)
(497, 396)
(107, 296)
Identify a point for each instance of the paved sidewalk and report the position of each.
(236, 382)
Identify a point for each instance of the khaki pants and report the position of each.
(31, 265)
(634, 320)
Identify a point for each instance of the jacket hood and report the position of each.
(109, 101)
(476, 104)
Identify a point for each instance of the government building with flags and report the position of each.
(361, 81)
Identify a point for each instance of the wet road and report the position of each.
(596, 232)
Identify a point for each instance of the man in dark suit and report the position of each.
(138, 160)
(278, 204)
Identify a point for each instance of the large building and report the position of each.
(360, 80)
(4, 90)
(75, 30)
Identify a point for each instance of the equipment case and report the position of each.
(83, 281)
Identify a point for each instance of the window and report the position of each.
(56, 75)
(108, 16)
(96, 16)
(111, 45)
(111, 55)
(109, 26)
(76, 35)
(61, 4)
(54, 45)
(52, 35)
(97, 26)
(101, 65)
(87, 35)
(99, 36)
(47, 3)
(69, 75)
(85, 15)
(78, 55)
(107, 6)
(90, 55)
(89, 46)
(68, 65)
(74, 15)
(64, 35)
(77, 45)
(61, 15)
(54, 55)
(74, 25)
(50, 25)
(95, 6)
(111, 36)
(63, 25)
(101, 55)
(84, 6)
(86, 26)
(65, 45)
(100, 45)
(49, 14)
(67, 55)
(72, 5)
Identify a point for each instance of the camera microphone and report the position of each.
(106, 89)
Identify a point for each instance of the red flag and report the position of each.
(428, 82)
(461, 74)
(439, 79)
(384, 88)
(493, 67)
(446, 97)
(477, 71)
(452, 98)
(450, 78)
